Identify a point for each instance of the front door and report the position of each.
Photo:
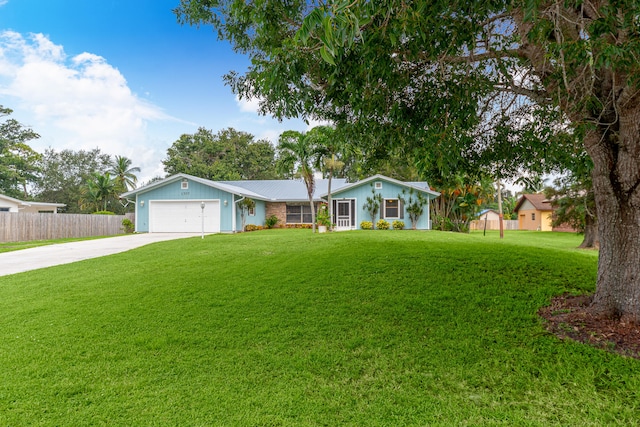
(343, 217)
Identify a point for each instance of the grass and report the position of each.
(286, 328)
(16, 246)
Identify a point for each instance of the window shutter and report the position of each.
(383, 204)
(401, 209)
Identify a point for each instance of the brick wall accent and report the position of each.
(278, 209)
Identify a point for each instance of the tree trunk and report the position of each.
(591, 239)
(615, 152)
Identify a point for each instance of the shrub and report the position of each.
(253, 227)
(128, 226)
(366, 225)
(103, 213)
(271, 221)
(382, 224)
(398, 225)
(298, 226)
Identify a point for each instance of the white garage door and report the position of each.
(183, 216)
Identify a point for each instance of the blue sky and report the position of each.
(120, 75)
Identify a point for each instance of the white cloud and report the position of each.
(3, 2)
(78, 102)
(248, 105)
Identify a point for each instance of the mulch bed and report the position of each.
(568, 318)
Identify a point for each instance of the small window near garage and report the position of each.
(4, 209)
(391, 208)
(533, 216)
(252, 211)
(184, 185)
(378, 185)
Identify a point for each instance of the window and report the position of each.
(298, 214)
(184, 185)
(391, 208)
(533, 216)
(252, 211)
(4, 209)
(378, 185)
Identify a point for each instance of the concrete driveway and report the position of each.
(65, 253)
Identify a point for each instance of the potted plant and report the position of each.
(323, 219)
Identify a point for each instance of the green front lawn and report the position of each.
(286, 328)
(16, 246)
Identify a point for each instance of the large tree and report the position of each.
(64, 174)
(226, 155)
(437, 72)
(18, 161)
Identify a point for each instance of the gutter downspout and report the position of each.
(233, 212)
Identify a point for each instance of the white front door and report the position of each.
(343, 214)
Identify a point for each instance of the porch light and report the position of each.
(142, 203)
(226, 203)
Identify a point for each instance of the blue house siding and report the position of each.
(388, 190)
(174, 203)
(257, 219)
(194, 192)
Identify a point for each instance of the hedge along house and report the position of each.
(188, 204)
(349, 202)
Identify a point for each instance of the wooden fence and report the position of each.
(510, 224)
(21, 227)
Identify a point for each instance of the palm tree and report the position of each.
(123, 174)
(329, 147)
(297, 154)
(100, 189)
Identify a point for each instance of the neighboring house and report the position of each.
(489, 215)
(9, 204)
(534, 212)
(185, 203)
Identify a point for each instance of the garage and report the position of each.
(184, 216)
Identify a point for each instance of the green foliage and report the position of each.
(99, 192)
(124, 174)
(18, 161)
(382, 224)
(128, 226)
(414, 202)
(398, 225)
(299, 155)
(226, 155)
(65, 173)
(105, 212)
(323, 217)
(372, 204)
(271, 221)
(366, 225)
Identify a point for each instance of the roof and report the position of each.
(422, 186)
(24, 203)
(539, 202)
(285, 190)
(484, 211)
(288, 189)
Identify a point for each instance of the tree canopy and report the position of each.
(18, 161)
(492, 84)
(226, 155)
